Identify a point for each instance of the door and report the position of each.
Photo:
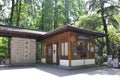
(55, 53)
(49, 54)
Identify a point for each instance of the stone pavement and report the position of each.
(51, 73)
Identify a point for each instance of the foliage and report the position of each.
(93, 22)
(114, 41)
(3, 47)
(38, 52)
(90, 21)
(106, 13)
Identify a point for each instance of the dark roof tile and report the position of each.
(75, 29)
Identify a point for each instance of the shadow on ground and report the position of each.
(55, 70)
(103, 70)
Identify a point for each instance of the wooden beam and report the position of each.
(9, 49)
(59, 49)
(69, 48)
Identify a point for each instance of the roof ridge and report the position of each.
(15, 27)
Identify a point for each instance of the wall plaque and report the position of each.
(73, 39)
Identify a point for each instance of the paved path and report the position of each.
(47, 73)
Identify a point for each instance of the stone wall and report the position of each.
(23, 51)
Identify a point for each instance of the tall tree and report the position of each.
(100, 5)
(81, 7)
(55, 14)
(47, 15)
(66, 10)
(42, 16)
(12, 12)
(18, 11)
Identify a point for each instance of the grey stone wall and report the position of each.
(23, 51)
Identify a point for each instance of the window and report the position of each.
(92, 49)
(64, 49)
(80, 48)
(43, 50)
(49, 50)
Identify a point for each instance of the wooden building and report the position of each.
(67, 46)
(70, 46)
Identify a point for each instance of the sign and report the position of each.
(115, 62)
(83, 37)
(73, 39)
(109, 61)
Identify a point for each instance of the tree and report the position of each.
(4, 12)
(18, 11)
(114, 40)
(55, 14)
(99, 5)
(47, 15)
(12, 12)
(66, 11)
(92, 22)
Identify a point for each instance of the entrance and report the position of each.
(52, 54)
(55, 53)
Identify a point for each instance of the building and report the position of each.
(67, 46)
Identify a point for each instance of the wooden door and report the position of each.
(55, 53)
(49, 53)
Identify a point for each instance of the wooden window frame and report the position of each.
(64, 48)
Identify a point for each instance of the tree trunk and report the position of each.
(55, 14)
(105, 27)
(18, 13)
(12, 12)
(11, 23)
(66, 3)
(9, 49)
(42, 17)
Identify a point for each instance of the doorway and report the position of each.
(52, 54)
(55, 54)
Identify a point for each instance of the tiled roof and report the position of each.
(75, 29)
(11, 31)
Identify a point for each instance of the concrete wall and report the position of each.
(64, 62)
(43, 60)
(81, 62)
(23, 51)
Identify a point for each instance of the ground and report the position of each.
(45, 73)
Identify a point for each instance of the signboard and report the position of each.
(83, 37)
(115, 62)
(109, 61)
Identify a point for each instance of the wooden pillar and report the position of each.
(95, 50)
(46, 51)
(69, 49)
(9, 49)
(59, 49)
